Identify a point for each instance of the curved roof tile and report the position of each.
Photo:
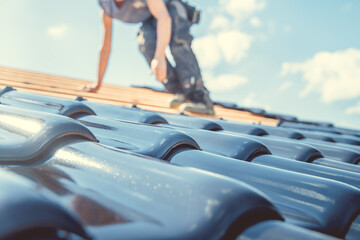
(27, 135)
(43, 103)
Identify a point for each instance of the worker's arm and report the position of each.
(159, 11)
(104, 53)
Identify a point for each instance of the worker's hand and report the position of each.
(89, 88)
(158, 66)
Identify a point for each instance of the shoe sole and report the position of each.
(175, 105)
(199, 112)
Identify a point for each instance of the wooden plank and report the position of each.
(71, 84)
(64, 87)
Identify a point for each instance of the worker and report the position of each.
(164, 23)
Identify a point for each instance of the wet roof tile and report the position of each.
(308, 202)
(70, 108)
(100, 158)
(27, 135)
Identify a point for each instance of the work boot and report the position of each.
(199, 107)
(177, 100)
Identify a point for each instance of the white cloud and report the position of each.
(224, 82)
(348, 7)
(336, 76)
(227, 43)
(285, 86)
(232, 13)
(231, 46)
(207, 51)
(354, 109)
(287, 28)
(234, 45)
(271, 26)
(57, 31)
(241, 9)
(220, 22)
(251, 101)
(255, 22)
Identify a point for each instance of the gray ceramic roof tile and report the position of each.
(310, 127)
(124, 113)
(191, 122)
(48, 104)
(308, 202)
(238, 147)
(336, 174)
(277, 231)
(25, 208)
(132, 194)
(27, 135)
(153, 141)
(146, 197)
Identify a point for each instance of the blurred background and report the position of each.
(299, 58)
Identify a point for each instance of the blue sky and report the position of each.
(300, 57)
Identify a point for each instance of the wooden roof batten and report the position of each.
(65, 87)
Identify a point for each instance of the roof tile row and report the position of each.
(102, 168)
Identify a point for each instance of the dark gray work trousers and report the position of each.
(185, 78)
